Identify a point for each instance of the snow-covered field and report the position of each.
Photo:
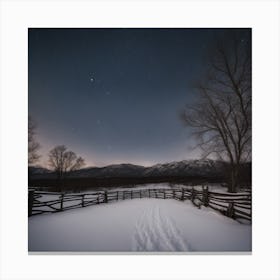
(134, 187)
(149, 225)
(212, 187)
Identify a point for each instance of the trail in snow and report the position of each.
(157, 232)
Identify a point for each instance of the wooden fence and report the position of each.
(233, 205)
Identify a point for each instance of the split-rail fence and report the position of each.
(233, 205)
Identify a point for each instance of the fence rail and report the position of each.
(236, 206)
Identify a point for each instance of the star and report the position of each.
(92, 78)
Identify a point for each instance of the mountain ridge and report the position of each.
(205, 167)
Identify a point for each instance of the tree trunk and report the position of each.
(60, 183)
(233, 182)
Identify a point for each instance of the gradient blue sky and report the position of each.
(114, 95)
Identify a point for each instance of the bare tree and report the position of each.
(33, 145)
(62, 161)
(221, 117)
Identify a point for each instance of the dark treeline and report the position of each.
(82, 184)
(76, 184)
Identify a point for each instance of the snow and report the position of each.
(149, 225)
(134, 187)
(211, 187)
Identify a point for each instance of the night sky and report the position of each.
(114, 95)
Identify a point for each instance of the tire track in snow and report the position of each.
(157, 232)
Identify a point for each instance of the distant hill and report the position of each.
(181, 168)
(38, 170)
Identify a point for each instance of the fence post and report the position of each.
(149, 193)
(183, 194)
(105, 197)
(30, 202)
(193, 194)
(230, 210)
(164, 195)
(205, 197)
(61, 202)
(83, 202)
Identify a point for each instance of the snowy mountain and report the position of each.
(185, 168)
(181, 168)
